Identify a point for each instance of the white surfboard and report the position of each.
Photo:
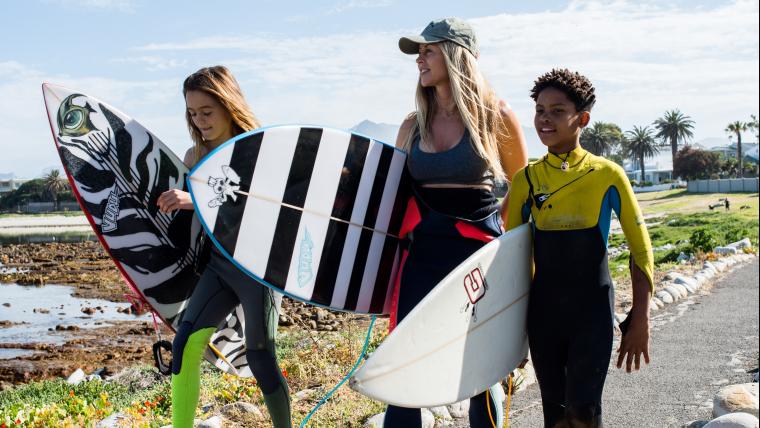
(467, 334)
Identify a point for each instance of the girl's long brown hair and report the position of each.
(218, 82)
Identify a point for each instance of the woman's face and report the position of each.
(209, 116)
(432, 66)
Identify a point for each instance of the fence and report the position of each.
(723, 186)
(46, 207)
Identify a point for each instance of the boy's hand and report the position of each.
(635, 343)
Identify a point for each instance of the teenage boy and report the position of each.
(568, 196)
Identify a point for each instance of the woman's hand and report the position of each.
(635, 343)
(174, 199)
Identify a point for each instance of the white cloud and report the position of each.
(357, 4)
(153, 63)
(643, 59)
(128, 6)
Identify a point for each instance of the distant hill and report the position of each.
(379, 131)
(7, 175)
(386, 133)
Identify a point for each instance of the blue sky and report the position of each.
(336, 62)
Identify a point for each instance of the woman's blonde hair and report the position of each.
(477, 104)
(219, 83)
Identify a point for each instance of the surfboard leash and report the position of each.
(509, 399)
(348, 376)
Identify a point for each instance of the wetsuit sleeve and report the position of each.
(515, 200)
(634, 228)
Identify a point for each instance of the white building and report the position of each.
(11, 184)
(656, 169)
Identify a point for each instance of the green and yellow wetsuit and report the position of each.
(570, 315)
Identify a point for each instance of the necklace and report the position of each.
(564, 166)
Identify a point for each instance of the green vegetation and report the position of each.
(313, 362)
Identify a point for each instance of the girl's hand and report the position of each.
(174, 199)
(635, 343)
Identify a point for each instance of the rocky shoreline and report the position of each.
(89, 270)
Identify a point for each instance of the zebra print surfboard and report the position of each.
(117, 170)
(311, 212)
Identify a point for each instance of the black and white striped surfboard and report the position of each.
(117, 170)
(312, 212)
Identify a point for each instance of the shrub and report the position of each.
(702, 240)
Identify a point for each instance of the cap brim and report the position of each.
(411, 45)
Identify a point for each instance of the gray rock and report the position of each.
(76, 377)
(136, 379)
(682, 289)
(736, 398)
(428, 420)
(665, 297)
(672, 275)
(441, 413)
(674, 292)
(696, 424)
(304, 393)
(460, 409)
(212, 422)
(375, 421)
(740, 245)
(686, 280)
(709, 265)
(114, 421)
(720, 265)
(241, 407)
(734, 420)
(92, 377)
(620, 317)
(724, 251)
(656, 303)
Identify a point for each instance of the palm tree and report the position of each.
(674, 127)
(640, 144)
(601, 138)
(737, 128)
(54, 184)
(754, 126)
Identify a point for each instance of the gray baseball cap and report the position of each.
(451, 29)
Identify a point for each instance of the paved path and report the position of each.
(698, 345)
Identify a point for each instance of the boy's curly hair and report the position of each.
(575, 85)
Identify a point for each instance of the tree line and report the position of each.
(52, 187)
(674, 129)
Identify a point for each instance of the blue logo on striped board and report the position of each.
(305, 272)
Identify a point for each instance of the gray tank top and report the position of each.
(458, 165)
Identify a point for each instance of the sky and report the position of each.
(336, 62)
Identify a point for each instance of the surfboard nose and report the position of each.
(53, 96)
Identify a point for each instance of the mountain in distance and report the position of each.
(7, 175)
(386, 133)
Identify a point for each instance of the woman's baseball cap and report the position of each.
(451, 29)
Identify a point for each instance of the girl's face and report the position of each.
(209, 116)
(557, 122)
(432, 66)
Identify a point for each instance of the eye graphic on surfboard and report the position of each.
(224, 186)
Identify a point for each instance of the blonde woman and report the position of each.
(459, 141)
(216, 111)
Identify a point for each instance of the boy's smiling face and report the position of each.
(557, 121)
